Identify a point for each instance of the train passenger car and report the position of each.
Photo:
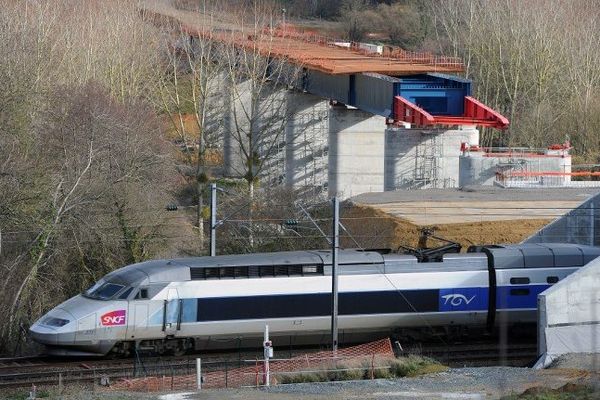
(179, 304)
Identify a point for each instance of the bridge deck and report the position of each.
(310, 51)
(326, 57)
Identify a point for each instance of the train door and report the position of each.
(172, 313)
(86, 328)
(138, 319)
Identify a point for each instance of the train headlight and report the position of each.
(53, 321)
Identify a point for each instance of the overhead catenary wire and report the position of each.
(165, 214)
(290, 237)
(519, 216)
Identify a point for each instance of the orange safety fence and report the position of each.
(254, 375)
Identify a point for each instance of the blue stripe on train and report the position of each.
(518, 296)
(476, 299)
(318, 304)
(464, 299)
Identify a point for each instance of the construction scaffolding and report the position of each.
(428, 165)
(428, 155)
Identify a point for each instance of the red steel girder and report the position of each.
(476, 113)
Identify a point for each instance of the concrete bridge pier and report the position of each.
(424, 158)
(356, 142)
(306, 150)
(337, 150)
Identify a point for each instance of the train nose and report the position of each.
(54, 328)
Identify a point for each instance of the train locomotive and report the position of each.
(175, 305)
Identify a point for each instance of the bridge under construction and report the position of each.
(366, 117)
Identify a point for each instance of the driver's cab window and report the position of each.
(142, 294)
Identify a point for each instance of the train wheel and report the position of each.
(181, 348)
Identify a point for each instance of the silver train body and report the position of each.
(178, 304)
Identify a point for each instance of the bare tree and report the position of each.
(258, 103)
(101, 171)
(192, 91)
(525, 59)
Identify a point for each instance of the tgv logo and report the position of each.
(113, 318)
(457, 299)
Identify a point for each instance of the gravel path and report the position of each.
(589, 362)
(464, 383)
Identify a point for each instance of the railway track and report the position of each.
(480, 354)
(42, 371)
(19, 362)
(97, 374)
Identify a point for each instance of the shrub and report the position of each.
(302, 377)
(345, 372)
(382, 373)
(414, 365)
(382, 369)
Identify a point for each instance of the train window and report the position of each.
(266, 270)
(94, 287)
(196, 274)
(105, 291)
(227, 272)
(519, 292)
(53, 321)
(211, 273)
(142, 294)
(281, 270)
(240, 272)
(294, 270)
(125, 294)
(552, 279)
(311, 270)
(519, 281)
(254, 271)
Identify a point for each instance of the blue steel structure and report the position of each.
(423, 99)
(439, 94)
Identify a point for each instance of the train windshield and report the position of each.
(103, 290)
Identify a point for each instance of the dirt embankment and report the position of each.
(373, 228)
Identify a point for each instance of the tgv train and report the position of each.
(179, 304)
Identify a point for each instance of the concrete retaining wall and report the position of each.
(579, 226)
(569, 314)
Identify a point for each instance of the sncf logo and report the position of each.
(113, 318)
(457, 299)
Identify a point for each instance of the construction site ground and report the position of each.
(462, 383)
(477, 215)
